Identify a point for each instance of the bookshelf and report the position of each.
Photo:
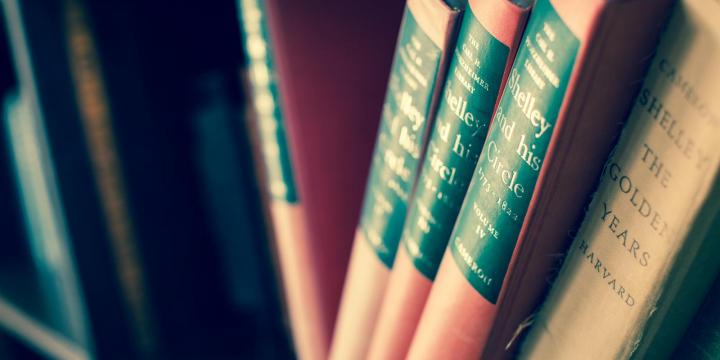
(26, 318)
(174, 106)
(234, 178)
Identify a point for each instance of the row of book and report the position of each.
(543, 182)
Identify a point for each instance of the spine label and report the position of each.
(273, 141)
(474, 79)
(400, 139)
(499, 195)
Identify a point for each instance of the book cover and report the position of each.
(416, 78)
(689, 283)
(302, 284)
(232, 195)
(553, 129)
(487, 41)
(637, 249)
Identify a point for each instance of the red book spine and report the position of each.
(326, 101)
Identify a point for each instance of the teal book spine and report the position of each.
(266, 102)
(489, 223)
(424, 45)
(469, 97)
(487, 42)
(412, 91)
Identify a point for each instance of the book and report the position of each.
(422, 52)
(573, 79)
(329, 103)
(38, 49)
(488, 38)
(641, 262)
(302, 283)
(228, 181)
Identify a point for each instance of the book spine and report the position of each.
(96, 118)
(412, 91)
(489, 223)
(485, 49)
(289, 227)
(416, 77)
(617, 270)
(599, 98)
(266, 102)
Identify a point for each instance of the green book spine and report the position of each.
(468, 100)
(401, 138)
(497, 200)
(267, 102)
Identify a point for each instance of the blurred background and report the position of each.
(133, 212)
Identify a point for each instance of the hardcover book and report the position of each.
(573, 77)
(641, 262)
(302, 282)
(328, 102)
(417, 74)
(487, 41)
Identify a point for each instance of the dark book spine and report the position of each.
(95, 116)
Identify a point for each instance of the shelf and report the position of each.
(30, 322)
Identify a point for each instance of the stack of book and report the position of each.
(420, 179)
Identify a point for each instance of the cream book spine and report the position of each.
(650, 193)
